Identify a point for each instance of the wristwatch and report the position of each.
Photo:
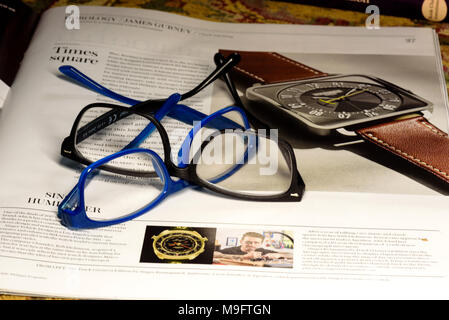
(179, 244)
(379, 111)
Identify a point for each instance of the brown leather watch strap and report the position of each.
(415, 140)
(269, 67)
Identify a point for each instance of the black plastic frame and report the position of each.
(294, 192)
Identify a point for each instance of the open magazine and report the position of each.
(367, 226)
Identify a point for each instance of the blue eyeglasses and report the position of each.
(88, 137)
(219, 154)
(183, 113)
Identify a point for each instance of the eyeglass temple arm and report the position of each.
(218, 59)
(217, 120)
(222, 68)
(180, 112)
(88, 82)
(255, 122)
(83, 79)
(169, 104)
(151, 105)
(192, 115)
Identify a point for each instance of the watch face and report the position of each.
(179, 245)
(339, 101)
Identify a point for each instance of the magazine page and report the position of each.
(362, 229)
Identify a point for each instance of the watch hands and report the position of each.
(327, 97)
(350, 91)
(179, 244)
(349, 94)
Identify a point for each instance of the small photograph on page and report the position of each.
(178, 244)
(257, 248)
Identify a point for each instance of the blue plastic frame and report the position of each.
(183, 156)
(77, 218)
(218, 122)
(181, 113)
(72, 211)
(177, 111)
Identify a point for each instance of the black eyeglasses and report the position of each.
(183, 113)
(220, 153)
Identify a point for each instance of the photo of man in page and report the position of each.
(264, 249)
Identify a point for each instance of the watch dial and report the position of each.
(332, 100)
(179, 244)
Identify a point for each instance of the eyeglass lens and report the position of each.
(245, 163)
(107, 195)
(121, 131)
(227, 157)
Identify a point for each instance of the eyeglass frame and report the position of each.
(184, 114)
(68, 147)
(181, 112)
(296, 180)
(187, 174)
